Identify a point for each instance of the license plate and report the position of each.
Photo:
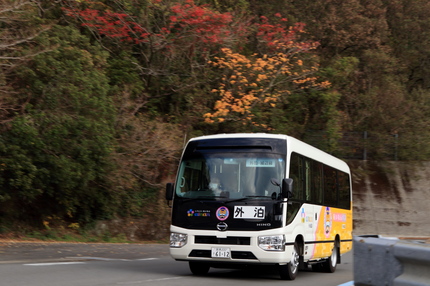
(221, 252)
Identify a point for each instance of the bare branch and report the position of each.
(23, 40)
(16, 5)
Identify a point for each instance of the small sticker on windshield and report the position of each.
(260, 163)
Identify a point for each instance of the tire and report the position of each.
(198, 268)
(331, 263)
(317, 267)
(289, 270)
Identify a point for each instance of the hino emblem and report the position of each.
(222, 226)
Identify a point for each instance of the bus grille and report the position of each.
(234, 254)
(230, 240)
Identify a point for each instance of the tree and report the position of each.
(409, 26)
(169, 44)
(17, 47)
(56, 154)
(253, 85)
(343, 27)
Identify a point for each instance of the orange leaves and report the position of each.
(243, 85)
(252, 85)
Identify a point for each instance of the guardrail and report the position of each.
(390, 262)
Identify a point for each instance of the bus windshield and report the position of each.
(230, 176)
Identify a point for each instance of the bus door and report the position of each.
(308, 188)
(309, 216)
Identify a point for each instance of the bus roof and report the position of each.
(241, 135)
(293, 145)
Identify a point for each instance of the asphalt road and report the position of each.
(63, 264)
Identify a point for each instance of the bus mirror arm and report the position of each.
(287, 188)
(169, 192)
(275, 182)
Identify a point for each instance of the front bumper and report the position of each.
(242, 245)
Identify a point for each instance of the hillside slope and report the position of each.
(391, 198)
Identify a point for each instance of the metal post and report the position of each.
(365, 145)
(396, 144)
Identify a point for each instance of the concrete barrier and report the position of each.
(391, 198)
(391, 262)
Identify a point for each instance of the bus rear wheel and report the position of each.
(331, 263)
(198, 268)
(289, 270)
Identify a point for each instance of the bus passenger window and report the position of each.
(317, 182)
(344, 191)
(296, 173)
(330, 188)
(308, 178)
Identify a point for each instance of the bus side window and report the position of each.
(297, 174)
(308, 179)
(330, 186)
(344, 191)
(317, 182)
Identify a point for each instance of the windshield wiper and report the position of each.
(198, 198)
(245, 198)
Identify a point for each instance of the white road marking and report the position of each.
(110, 259)
(149, 280)
(85, 258)
(53, 263)
(98, 258)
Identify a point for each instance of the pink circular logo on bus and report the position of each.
(222, 213)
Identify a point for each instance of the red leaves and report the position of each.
(192, 27)
(280, 37)
(187, 21)
(111, 24)
(209, 26)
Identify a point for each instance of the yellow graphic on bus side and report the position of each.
(333, 222)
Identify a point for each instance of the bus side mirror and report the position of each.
(287, 188)
(169, 191)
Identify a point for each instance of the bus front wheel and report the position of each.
(289, 270)
(198, 268)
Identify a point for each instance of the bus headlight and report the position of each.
(177, 240)
(272, 242)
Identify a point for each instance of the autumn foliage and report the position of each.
(279, 36)
(248, 81)
(261, 80)
(185, 22)
(97, 97)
